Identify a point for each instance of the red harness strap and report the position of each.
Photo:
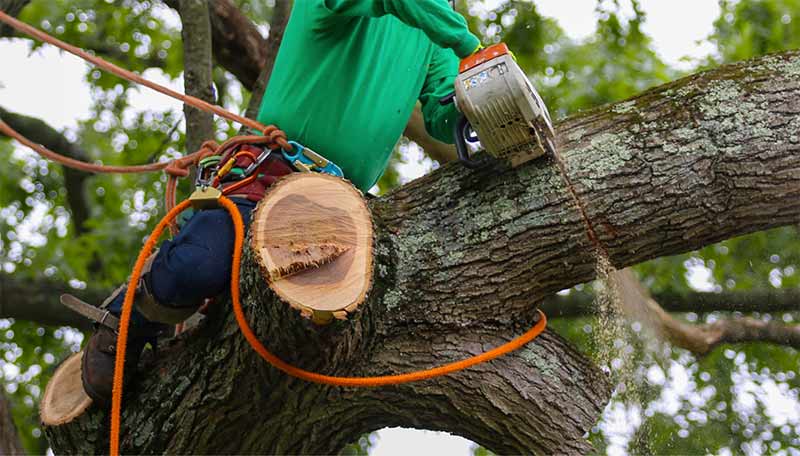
(254, 186)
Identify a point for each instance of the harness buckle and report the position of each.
(205, 197)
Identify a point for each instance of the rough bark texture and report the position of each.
(9, 439)
(198, 81)
(461, 259)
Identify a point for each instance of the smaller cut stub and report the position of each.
(313, 237)
(64, 398)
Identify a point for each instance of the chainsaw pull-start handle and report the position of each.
(461, 134)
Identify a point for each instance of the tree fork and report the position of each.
(461, 259)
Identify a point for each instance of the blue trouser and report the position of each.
(195, 265)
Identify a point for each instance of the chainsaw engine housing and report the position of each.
(503, 107)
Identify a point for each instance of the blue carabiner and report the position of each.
(305, 159)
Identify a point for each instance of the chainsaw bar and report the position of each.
(104, 317)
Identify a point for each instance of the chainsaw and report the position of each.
(500, 109)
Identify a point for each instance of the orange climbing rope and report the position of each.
(273, 138)
(238, 224)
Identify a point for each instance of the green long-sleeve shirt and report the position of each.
(349, 72)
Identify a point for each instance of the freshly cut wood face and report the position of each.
(64, 398)
(313, 237)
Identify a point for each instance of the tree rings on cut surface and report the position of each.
(64, 398)
(312, 235)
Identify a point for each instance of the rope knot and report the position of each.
(179, 167)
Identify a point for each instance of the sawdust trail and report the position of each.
(611, 336)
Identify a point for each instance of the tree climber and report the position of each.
(345, 82)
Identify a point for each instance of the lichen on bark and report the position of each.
(458, 273)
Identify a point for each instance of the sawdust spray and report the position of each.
(611, 336)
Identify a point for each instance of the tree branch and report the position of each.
(469, 252)
(238, 45)
(12, 8)
(9, 439)
(197, 77)
(37, 300)
(508, 397)
(638, 305)
(74, 181)
(578, 304)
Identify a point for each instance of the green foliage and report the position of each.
(30, 355)
(36, 236)
(614, 64)
(687, 405)
(749, 28)
(360, 447)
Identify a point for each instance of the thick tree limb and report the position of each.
(37, 300)
(638, 305)
(461, 256)
(238, 45)
(74, 181)
(9, 439)
(198, 81)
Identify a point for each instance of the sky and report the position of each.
(50, 86)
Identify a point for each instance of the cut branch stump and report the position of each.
(64, 398)
(313, 238)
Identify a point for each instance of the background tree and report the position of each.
(62, 226)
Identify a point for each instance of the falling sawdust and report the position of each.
(610, 332)
(611, 337)
(615, 342)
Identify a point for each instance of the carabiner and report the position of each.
(305, 159)
(265, 153)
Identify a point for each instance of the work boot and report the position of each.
(99, 357)
(149, 318)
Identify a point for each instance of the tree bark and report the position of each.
(197, 77)
(462, 258)
(238, 45)
(37, 299)
(9, 439)
(12, 8)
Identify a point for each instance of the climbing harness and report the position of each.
(216, 169)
